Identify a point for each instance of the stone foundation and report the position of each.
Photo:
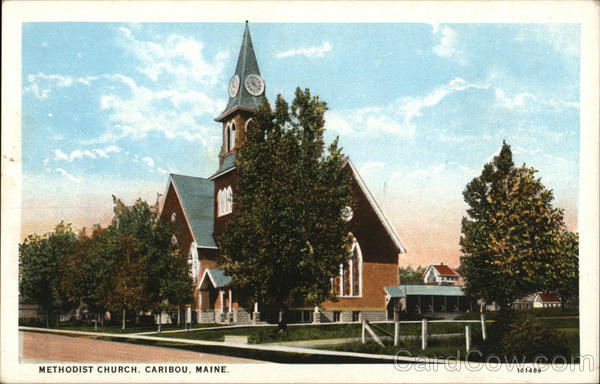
(373, 315)
(327, 316)
(239, 316)
(206, 316)
(242, 316)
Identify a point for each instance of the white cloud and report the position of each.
(517, 101)
(521, 150)
(395, 118)
(370, 167)
(529, 101)
(68, 176)
(41, 84)
(310, 52)
(79, 154)
(447, 46)
(173, 113)
(428, 172)
(563, 38)
(148, 161)
(175, 106)
(412, 106)
(60, 155)
(177, 56)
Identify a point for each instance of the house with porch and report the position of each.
(440, 274)
(201, 207)
(441, 291)
(538, 300)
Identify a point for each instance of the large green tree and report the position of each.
(514, 241)
(287, 239)
(150, 273)
(42, 268)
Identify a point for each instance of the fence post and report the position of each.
(483, 333)
(423, 334)
(188, 317)
(363, 332)
(467, 338)
(396, 333)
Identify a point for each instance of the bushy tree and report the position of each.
(520, 335)
(287, 237)
(410, 275)
(150, 272)
(42, 268)
(514, 241)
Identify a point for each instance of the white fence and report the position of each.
(424, 334)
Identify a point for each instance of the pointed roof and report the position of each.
(444, 270)
(196, 195)
(382, 218)
(246, 65)
(217, 277)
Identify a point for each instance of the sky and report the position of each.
(113, 108)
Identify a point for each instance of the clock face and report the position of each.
(234, 86)
(254, 85)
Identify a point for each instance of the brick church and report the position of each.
(202, 208)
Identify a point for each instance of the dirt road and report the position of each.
(41, 347)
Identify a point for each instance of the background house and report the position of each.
(440, 274)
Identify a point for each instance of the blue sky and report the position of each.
(112, 108)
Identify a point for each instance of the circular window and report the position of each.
(347, 213)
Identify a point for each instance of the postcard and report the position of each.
(300, 192)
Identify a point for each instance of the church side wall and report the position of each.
(172, 204)
(380, 258)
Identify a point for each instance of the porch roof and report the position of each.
(432, 290)
(424, 290)
(395, 292)
(217, 277)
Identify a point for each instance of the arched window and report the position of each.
(229, 198)
(230, 136)
(193, 262)
(174, 240)
(174, 216)
(224, 201)
(350, 279)
(247, 123)
(220, 202)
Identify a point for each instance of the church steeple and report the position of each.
(246, 87)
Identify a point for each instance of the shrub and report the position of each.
(521, 334)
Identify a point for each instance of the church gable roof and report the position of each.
(196, 195)
(246, 65)
(217, 277)
(380, 215)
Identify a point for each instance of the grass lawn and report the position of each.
(438, 347)
(259, 335)
(447, 347)
(270, 334)
(538, 312)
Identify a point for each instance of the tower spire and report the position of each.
(246, 87)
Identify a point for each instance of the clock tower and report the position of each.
(246, 93)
